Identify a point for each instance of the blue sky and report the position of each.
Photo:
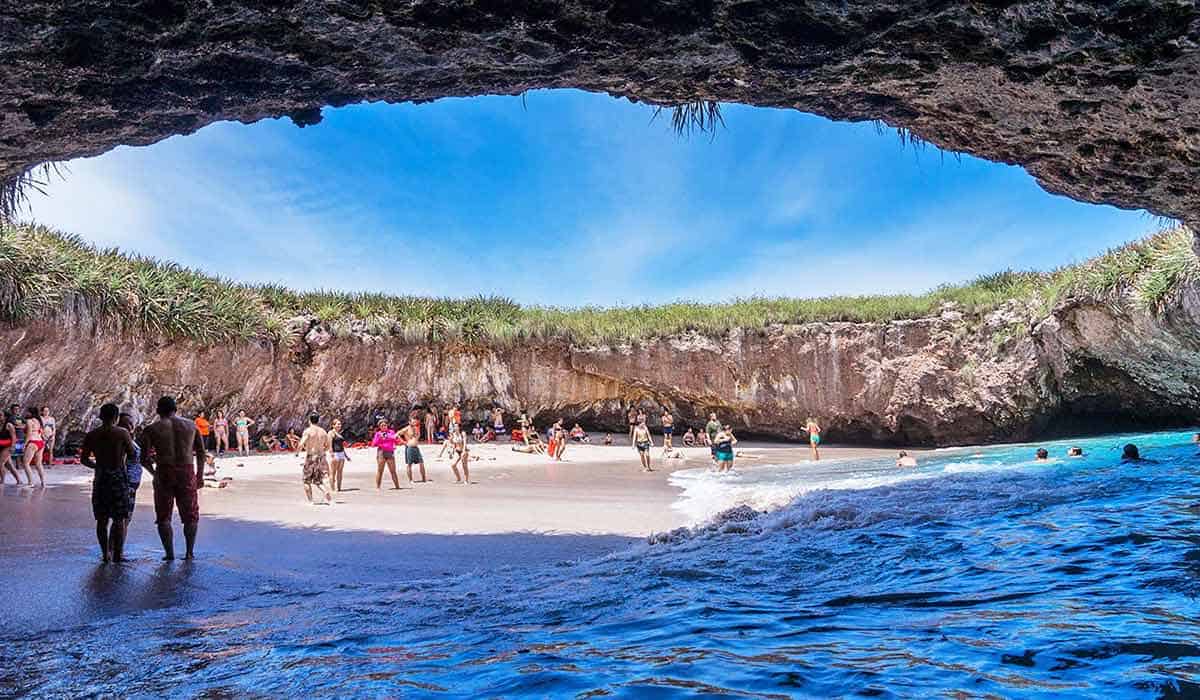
(572, 198)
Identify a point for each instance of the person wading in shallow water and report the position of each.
(172, 443)
(106, 450)
(814, 438)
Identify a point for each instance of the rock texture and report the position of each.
(952, 379)
(1098, 100)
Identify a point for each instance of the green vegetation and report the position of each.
(47, 274)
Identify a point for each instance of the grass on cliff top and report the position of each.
(47, 274)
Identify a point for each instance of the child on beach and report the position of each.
(642, 442)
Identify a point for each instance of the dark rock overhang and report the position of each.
(1098, 100)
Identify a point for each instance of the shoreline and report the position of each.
(595, 490)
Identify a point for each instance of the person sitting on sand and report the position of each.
(905, 460)
(106, 450)
(689, 438)
(489, 435)
(477, 432)
(268, 442)
(1075, 452)
(578, 434)
(608, 440)
(642, 442)
(1042, 455)
(292, 439)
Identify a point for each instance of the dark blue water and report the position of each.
(979, 575)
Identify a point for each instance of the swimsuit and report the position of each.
(175, 487)
(112, 498)
(315, 468)
(815, 439)
(668, 430)
(643, 445)
(724, 452)
(412, 455)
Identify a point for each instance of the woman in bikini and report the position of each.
(462, 455)
(49, 430)
(243, 425)
(337, 445)
(220, 428)
(430, 424)
(8, 439)
(35, 443)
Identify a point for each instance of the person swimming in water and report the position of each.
(905, 460)
(1130, 453)
(1042, 455)
(1075, 452)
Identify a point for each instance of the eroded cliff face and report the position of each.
(951, 379)
(1098, 100)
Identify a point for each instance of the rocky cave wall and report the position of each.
(1098, 100)
(950, 379)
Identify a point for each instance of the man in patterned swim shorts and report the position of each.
(172, 443)
(315, 443)
(105, 450)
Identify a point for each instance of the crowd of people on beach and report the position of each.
(176, 452)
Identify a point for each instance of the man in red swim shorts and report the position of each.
(171, 443)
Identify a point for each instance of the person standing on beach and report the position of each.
(498, 421)
(462, 455)
(711, 429)
(337, 447)
(384, 442)
(814, 438)
(412, 449)
(204, 428)
(632, 417)
(8, 440)
(668, 428)
(430, 424)
(49, 430)
(133, 464)
(220, 433)
(243, 424)
(723, 443)
(642, 442)
(315, 443)
(560, 440)
(106, 450)
(169, 445)
(35, 444)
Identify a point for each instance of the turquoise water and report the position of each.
(979, 573)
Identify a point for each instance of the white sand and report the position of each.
(595, 490)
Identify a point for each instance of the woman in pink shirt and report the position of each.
(385, 442)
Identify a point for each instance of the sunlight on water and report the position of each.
(980, 572)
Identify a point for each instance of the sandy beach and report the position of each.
(596, 490)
